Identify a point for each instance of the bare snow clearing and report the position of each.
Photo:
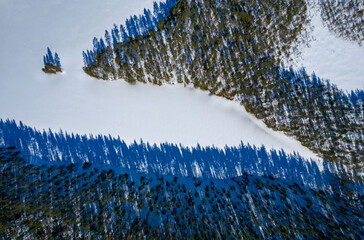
(341, 61)
(76, 103)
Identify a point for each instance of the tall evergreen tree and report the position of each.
(149, 18)
(57, 61)
(50, 56)
(123, 33)
(85, 59)
(107, 38)
(96, 45)
(102, 45)
(115, 35)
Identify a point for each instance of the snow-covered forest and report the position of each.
(181, 119)
(96, 202)
(166, 158)
(241, 61)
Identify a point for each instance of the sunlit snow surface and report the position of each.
(79, 104)
(341, 61)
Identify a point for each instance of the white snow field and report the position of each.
(341, 61)
(76, 103)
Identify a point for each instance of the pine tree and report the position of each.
(96, 45)
(102, 45)
(115, 35)
(57, 61)
(85, 59)
(149, 19)
(123, 33)
(50, 56)
(107, 38)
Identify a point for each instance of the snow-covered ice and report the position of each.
(341, 61)
(77, 103)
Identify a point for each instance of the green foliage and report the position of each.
(50, 68)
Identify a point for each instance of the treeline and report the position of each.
(323, 118)
(134, 26)
(86, 201)
(234, 49)
(52, 64)
(344, 18)
(167, 159)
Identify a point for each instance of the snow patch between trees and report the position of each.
(76, 103)
(341, 61)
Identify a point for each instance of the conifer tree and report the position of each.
(57, 61)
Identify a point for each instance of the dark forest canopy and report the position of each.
(89, 201)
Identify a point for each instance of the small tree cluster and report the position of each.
(52, 64)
